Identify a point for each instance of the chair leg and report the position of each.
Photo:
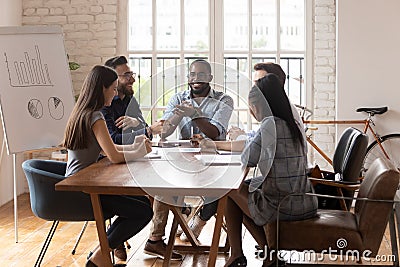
(393, 238)
(79, 237)
(46, 243)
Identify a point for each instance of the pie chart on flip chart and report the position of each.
(56, 108)
(35, 108)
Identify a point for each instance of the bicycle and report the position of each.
(385, 146)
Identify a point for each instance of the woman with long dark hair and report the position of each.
(86, 135)
(279, 151)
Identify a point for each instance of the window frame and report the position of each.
(216, 51)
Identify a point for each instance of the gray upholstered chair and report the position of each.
(52, 205)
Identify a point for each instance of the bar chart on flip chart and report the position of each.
(28, 70)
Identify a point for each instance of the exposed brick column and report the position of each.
(89, 26)
(324, 74)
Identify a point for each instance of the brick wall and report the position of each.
(89, 26)
(324, 74)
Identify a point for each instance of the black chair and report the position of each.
(52, 205)
(347, 163)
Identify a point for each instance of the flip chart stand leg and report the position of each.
(15, 198)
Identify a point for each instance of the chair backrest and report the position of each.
(46, 202)
(380, 182)
(349, 154)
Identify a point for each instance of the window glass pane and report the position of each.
(168, 24)
(237, 83)
(292, 25)
(168, 78)
(196, 25)
(139, 25)
(264, 24)
(293, 66)
(235, 25)
(141, 65)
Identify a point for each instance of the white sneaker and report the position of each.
(179, 231)
(187, 210)
(196, 225)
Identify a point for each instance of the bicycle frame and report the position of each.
(367, 126)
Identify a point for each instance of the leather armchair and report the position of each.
(362, 230)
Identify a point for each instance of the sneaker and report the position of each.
(196, 225)
(179, 231)
(158, 249)
(120, 252)
(187, 210)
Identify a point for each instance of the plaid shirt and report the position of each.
(282, 162)
(216, 107)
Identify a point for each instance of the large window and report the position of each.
(164, 36)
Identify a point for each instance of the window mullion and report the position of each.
(182, 30)
(217, 30)
(278, 31)
(154, 60)
(250, 36)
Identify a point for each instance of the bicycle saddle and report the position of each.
(373, 110)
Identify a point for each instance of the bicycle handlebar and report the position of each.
(303, 111)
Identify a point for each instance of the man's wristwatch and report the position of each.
(148, 132)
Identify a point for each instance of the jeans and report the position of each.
(208, 210)
(134, 213)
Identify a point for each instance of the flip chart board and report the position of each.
(36, 95)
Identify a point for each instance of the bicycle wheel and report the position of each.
(391, 144)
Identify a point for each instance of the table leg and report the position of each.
(184, 225)
(98, 215)
(217, 232)
(171, 241)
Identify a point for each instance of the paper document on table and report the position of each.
(189, 149)
(152, 156)
(216, 159)
(227, 152)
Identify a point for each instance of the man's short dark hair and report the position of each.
(203, 61)
(274, 68)
(115, 61)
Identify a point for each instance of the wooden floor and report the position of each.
(32, 233)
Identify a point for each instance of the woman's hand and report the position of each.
(207, 145)
(139, 139)
(141, 146)
(234, 132)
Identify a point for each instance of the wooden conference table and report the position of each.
(173, 172)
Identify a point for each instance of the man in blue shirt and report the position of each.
(124, 118)
(198, 110)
